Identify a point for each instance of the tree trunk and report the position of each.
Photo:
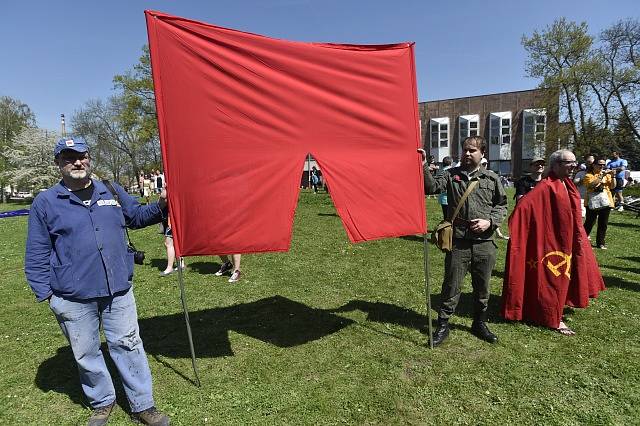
(570, 111)
(604, 105)
(625, 112)
(580, 107)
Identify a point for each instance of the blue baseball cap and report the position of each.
(77, 144)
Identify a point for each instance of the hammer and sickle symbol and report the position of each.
(555, 268)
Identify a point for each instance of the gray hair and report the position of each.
(556, 157)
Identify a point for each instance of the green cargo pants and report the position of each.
(480, 258)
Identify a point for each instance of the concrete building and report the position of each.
(516, 125)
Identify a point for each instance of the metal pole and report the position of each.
(427, 289)
(309, 169)
(62, 127)
(186, 319)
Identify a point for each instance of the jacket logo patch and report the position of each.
(108, 203)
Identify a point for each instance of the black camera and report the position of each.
(138, 255)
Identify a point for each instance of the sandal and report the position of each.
(565, 330)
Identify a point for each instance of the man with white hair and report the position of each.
(550, 263)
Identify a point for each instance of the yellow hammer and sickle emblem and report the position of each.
(555, 268)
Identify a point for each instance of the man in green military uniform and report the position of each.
(473, 245)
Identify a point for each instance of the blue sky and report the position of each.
(58, 55)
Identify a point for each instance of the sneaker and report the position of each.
(620, 209)
(224, 268)
(602, 247)
(235, 277)
(151, 416)
(100, 415)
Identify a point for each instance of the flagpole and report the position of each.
(63, 130)
(427, 289)
(186, 319)
(309, 169)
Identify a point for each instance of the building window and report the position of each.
(500, 128)
(440, 132)
(533, 135)
(468, 126)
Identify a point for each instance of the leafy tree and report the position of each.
(14, 116)
(625, 141)
(31, 159)
(621, 65)
(123, 130)
(561, 56)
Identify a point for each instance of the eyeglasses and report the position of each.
(70, 159)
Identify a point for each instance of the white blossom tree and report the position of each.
(31, 159)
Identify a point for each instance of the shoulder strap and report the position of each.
(464, 197)
(113, 191)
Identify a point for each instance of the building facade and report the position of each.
(516, 126)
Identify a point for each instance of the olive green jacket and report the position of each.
(487, 201)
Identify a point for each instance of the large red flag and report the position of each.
(550, 262)
(239, 112)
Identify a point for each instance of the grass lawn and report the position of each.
(333, 333)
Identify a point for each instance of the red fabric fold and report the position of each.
(550, 262)
(238, 113)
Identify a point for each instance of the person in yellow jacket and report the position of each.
(595, 181)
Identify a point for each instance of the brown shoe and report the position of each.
(151, 417)
(100, 415)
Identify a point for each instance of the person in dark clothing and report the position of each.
(528, 182)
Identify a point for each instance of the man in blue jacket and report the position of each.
(77, 260)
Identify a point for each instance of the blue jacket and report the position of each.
(80, 252)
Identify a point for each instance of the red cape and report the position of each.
(550, 262)
(238, 113)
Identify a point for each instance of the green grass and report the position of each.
(332, 333)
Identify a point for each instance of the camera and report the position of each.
(138, 255)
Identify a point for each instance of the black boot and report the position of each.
(441, 332)
(480, 330)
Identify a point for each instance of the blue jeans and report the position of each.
(80, 322)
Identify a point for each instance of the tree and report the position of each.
(123, 131)
(31, 159)
(112, 133)
(619, 56)
(14, 116)
(561, 56)
(625, 141)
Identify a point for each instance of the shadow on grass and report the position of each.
(328, 214)
(159, 264)
(393, 314)
(204, 268)
(60, 374)
(419, 238)
(275, 320)
(631, 258)
(623, 225)
(612, 281)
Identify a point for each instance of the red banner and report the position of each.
(238, 113)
